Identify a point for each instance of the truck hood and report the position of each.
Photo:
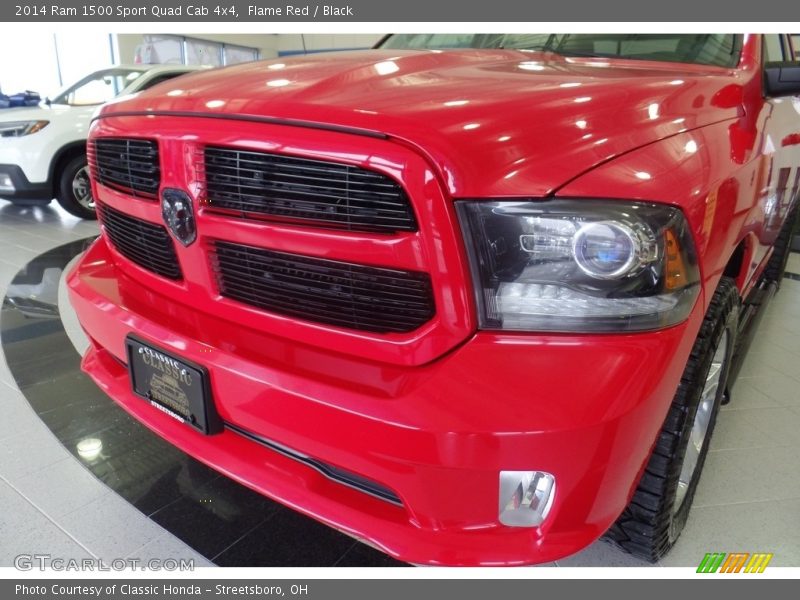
(494, 122)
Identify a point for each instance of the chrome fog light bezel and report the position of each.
(525, 497)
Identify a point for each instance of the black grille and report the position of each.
(128, 165)
(146, 244)
(320, 192)
(325, 291)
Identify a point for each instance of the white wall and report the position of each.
(80, 53)
(270, 45)
(316, 42)
(29, 59)
(266, 43)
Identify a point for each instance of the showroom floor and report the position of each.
(79, 478)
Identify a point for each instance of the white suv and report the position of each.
(43, 148)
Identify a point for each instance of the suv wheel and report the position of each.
(75, 190)
(657, 513)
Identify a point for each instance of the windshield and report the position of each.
(97, 88)
(706, 49)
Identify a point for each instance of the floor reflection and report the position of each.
(224, 521)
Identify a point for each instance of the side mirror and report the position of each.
(782, 78)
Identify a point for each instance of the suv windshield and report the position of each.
(97, 88)
(706, 49)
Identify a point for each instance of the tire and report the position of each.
(776, 266)
(74, 189)
(657, 513)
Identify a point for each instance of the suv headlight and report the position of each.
(20, 128)
(579, 265)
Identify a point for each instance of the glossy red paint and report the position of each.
(726, 176)
(471, 113)
(435, 248)
(435, 414)
(437, 435)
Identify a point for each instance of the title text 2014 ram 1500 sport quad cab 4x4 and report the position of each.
(473, 299)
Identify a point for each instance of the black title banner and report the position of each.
(409, 11)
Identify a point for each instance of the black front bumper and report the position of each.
(24, 189)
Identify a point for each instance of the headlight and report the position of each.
(579, 265)
(20, 128)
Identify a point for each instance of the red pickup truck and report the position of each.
(473, 299)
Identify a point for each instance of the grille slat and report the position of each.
(128, 165)
(311, 176)
(222, 155)
(114, 152)
(234, 192)
(144, 162)
(301, 217)
(143, 258)
(146, 244)
(331, 315)
(378, 289)
(116, 164)
(324, 291)
(310, 190)
(133, 230)
(344, 303)
(368, 275)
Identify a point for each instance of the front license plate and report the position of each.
(172, 384)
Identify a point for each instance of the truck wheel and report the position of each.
(780, 253)
(655, 517)
(75, 190)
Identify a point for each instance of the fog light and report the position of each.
(6, 185)
(525, 497)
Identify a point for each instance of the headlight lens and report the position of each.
(609, 250)
(579, 265)
(20, 128)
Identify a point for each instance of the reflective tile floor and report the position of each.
(80, 478)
